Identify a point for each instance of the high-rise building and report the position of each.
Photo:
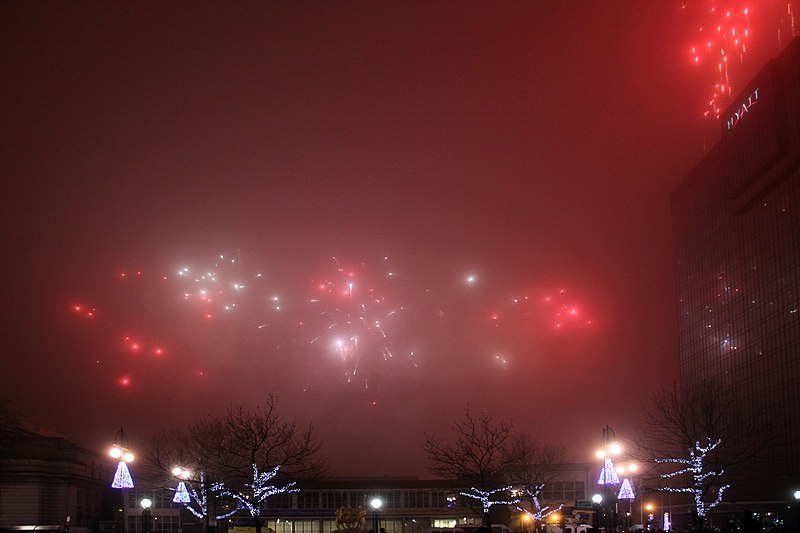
(736, 223)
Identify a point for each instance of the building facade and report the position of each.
(736, 221)
(47, 480)
(409, 505)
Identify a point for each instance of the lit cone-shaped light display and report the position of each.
(122, 477)
(608, 475)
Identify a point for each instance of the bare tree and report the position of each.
(696, 440)
(531, 471)
(478, 457)
(248, 455)
(195, 451)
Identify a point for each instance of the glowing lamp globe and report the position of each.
(376, 503)
(177, 471)
(146, 503)
(115, 452)
(127, 457)
(597, 498)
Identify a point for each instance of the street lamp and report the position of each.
(122, 477)
(204, 501)
(626, 489)
(649, 508)
(525, 521)
(597, 499)
(146, 504)
(376, 503)
(181, 493)
(797, 505)
(608, 475)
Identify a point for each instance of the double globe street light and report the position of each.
(122, 476)
(608, 476)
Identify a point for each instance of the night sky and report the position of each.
(428, 204)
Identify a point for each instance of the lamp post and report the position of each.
(649, 508)
(184, 476)
(597, 499)
(608, 475)
(181, 494)
(146, 503)
(797, 506)
(122, 476)
(626, 491)
(525, 521)
(376, 503)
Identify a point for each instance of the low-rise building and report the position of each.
(46, 479)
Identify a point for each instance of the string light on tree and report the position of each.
(703, 481)
(198, 500)
(538, 513)
(485, 497)
(259, 490)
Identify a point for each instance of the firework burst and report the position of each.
(722, 37)
(357, 314)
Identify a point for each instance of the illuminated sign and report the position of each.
(744, 107)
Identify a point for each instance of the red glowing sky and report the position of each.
(532, 146)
